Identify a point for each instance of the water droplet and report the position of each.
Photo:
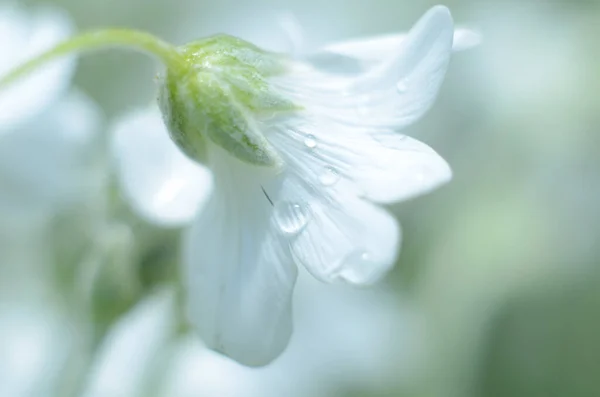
(329, 177)
(310, 141)
(389, 139)
(291, 217)
(402, 86)
(359, 267)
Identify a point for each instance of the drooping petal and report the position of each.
(238, 269)
(162, 184)
(24, 37)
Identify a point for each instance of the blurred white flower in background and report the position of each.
(341, 155)
(124, 362)
(34, 343)
(162, 184)
(351, 339)
(46, 162)
(46, 130)
(47, 137)
(23, 35)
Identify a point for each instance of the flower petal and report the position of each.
(350, 241)
(380, 165)
(393, 94)
(238, 269)
(25, 37)
(162, 184)
(465, 39)
(331, 169)
(398, 168)
(399, 92)
(371, 51)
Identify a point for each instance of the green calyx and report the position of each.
(222, 94)
(215, 89)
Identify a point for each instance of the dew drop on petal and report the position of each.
(291, 217)
(388, 139)
(310, 141)
(358, 267)
(402, 86)
(329, 177)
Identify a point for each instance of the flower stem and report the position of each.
(101, 39)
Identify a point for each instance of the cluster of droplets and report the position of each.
(292, 217)
(356, 268)
(329, 175)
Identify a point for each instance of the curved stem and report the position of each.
(102, 39)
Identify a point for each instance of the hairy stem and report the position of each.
(102, 39)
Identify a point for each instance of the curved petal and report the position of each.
(402, 90)
(465, 39)
(371, 51)
(24, 37)
(238, 270)
(380, 165)
(350, 241)
(162, 184)
(344, 237)
(332, 169)
(398, 168)
(393, 94)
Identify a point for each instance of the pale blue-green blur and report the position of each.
(497, 289)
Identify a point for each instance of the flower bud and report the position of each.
(221, 95)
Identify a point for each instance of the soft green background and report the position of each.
(504, 261)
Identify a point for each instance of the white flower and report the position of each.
(163, 185)
(354, 338)
(25, 34)
(123, 363)
(34, 340)
(300, 185)
(45, 131)
(45, 162)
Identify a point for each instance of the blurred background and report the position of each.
(497, 289)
